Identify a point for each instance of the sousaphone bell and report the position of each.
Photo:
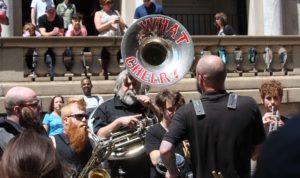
(157, 50)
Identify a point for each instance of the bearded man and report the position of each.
(74, 145)
(123, 112)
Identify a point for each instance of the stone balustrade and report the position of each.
(244, 76)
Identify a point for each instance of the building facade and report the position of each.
(248, 17)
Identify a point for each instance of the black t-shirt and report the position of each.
(106, 113)
(154, 136)
(112, 109)
(49, 26)
(221, 140)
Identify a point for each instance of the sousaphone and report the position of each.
(157, 50)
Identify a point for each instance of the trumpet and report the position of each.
(274, 125)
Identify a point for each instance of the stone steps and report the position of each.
(187, 86)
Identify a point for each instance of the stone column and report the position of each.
(14, 13)
(128, 9)
(255, 20)
(272, 17)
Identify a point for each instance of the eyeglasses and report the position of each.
(79, 117)
(34, 104)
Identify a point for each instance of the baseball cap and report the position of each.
(50, 7)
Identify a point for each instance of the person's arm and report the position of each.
(122, 22)
(33, 15)
(69, 31)
(168, 158)
(61, 32)
(53, 141)
(146, 102)
(46, 127)
(84, 33)
(256, 152)
(154, 157)
(130, 121)
(54, 32)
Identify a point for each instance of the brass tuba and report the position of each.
(157, 50)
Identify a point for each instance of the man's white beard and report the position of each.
(128, 98)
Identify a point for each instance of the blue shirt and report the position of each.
(142, 11)
(55, 125)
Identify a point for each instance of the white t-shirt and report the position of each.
(92, 102)
(40, 6)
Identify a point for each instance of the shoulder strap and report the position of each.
(64, 138)
(117, 12)
(198, 106)
(232, 101)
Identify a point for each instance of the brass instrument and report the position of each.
(186, 149)
(274, 125)
(157, 50)
(101, 151)
(120, 145)
(180, 162)
(130, 143)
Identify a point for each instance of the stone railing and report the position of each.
(244, 75)
(14, 68)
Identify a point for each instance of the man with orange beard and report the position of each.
(74, 145)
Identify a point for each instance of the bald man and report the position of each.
(224, 130)
(23, 111)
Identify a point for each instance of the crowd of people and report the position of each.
(64, 20)
(225, 132)
(220, 134)
(107, 21)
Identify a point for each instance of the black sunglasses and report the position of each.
(79, 117)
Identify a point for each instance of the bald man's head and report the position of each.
(18, 96)
(213, 70)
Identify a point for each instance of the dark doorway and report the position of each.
(88, 9)
(242, 17)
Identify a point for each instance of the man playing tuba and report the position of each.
(124, 112)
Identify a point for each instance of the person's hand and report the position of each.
(55, 31)
(144, 100)
(280, 123)
(115, 21)
(268, 118)
(130, 121)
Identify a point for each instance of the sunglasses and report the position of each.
(79, 117)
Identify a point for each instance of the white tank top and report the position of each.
(115, 29)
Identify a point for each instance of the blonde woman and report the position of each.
(108, 22)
